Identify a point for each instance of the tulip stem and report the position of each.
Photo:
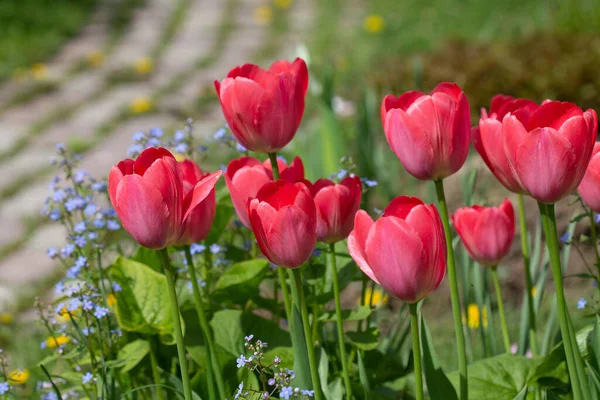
(414, 327)
(168, 269)
(310, 347)
(528, 280)
(549, 223)
(286, 294)
(339, 321)
(213, 369)
(501, 309)
(454, 296)
(155, 372)
(274, 166)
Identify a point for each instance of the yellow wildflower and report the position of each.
(533, 291)
(111, 300)
(140, 105)
(6, 318)
(179, 156)
(39, 71)
(474, 316)
(95, 58)
(143, 66)
(263, 15)
(18, 376)
(54, 342)
(380, 298)
(282, 4)
(373, 23)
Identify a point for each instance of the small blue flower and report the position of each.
(248, 338)
(306, 392)
(286, 392)
(58, 195)
(87, 331)
(54, 214)
(74, 304)
(595, 283)
(59, 287)
(220, 134)
(565, 238)
(88, 305)
(90, 210)
(80, 227)
(241, 361)
(215, 248)
(197, 248)
(181, 148)
(4, 387)
(87, 378)
(342, 174)
(79, 176)
(59, 147)
(99, 186)
(99, 223)
(52, 252)
(100, 312)
(138, 136)
(116, 287)
(49, 396)
(67, 250)
(153, 142)
(581, 303)
(202, 148)
(271, 382)
(239, 391)
(135, 149)
(597, 218)
(156, 132)
(73, 272)
(240, 148)
(80, 241)
(369, 182)
(113, 225)
(316, 252)
(59, 308)
(80, 262)
(92, 236)
(179, 136)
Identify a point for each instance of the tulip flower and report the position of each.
(549, 152)
(487, 136)
(284, 221)
(589, 189)
(486, 232)
(246, 175)
(148, 196)
(263, 108)
(337, 205)
(428, 133)
(404, 250)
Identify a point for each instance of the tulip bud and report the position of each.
(589, 189)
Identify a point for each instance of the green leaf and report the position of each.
(330, 143)
(362, 375)
(132, 354)
(241, 281)
(366, 340)
(223, 215)
(286, 354)
(552, 369)
(438, 384)
(595, 344)
(301, 363)
(178, 386)
(522, 394)
(362, 312)
(147, 257)
(143, 304)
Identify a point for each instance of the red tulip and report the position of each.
(246, 175)
(336, 207)
(148, 196)
(486, 232)
(487, 136)
(589, 189)
(429, 133)
(284, 221)
(263, 108)
(548, 154)
(404, 250)
(197, 225)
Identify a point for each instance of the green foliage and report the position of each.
(132, 354)
(240, 282)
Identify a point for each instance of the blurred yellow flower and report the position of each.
(18, 376)
(143, 66)
(111, 300)
(263, 15)
(474, 316)
(380, 298)
(283, 4)
(62, 315)
(140, 105)
(6, 318)
(373, 23)
(54, 342)
(95, 58)
(179, 156)
(39, 71)
(533, 291)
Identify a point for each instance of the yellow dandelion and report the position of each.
(263, 15)
(20, 74)
(380, 298)
(533, 291)
(143, 66)
(39, 71)
(111, 300)
(179, 156)
(373, 23)
(95, 58)
(474, 316)
(282, 4)
(140, 105)
(54, 342)
(6, 318)
(18, 376)
(63, 316)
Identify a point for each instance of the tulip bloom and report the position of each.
(486, 232)
(548, 154)
(487, 136)
(246, 175)
(589, 189)
(284, 221)
(148, 196)
(336, 207)
(404, 250)
(428, 133)
(263, 108)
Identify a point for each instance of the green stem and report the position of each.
(286, 294)
(595, 240)
(274, 166)
(312, 359)
(339, 321)
(155, 373)
(213, 368)
(458, 328)
(414, 327)
(527, 272)
(501, 309)
(185, 377)
(549, 223)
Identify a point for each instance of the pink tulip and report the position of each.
(198, 224)
(404, 250)
(148, 196)
(263, 108)
(283, 218)
(486, 232)
(336, 207)
(428, 133)
(487, 136)
(548, 154)
(246, 175)
(589, 189)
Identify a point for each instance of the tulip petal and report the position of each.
(148, 157)
(357, 241)
(200, 192)
(401, 206)
(292, 236)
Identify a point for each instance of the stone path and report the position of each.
(92, 103)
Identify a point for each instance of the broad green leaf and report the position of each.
(132, 354)
(366, 340)
(301, 363)
(522, 394)
(286, 354)
(323, 369)
(362, 312)
(330, 142)
(551, 370)
(147, 257)
(241, 281)
(439, 386)
(143, 304)
(175, 382)
(595, 344)
(362, 375)
(223, 215)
